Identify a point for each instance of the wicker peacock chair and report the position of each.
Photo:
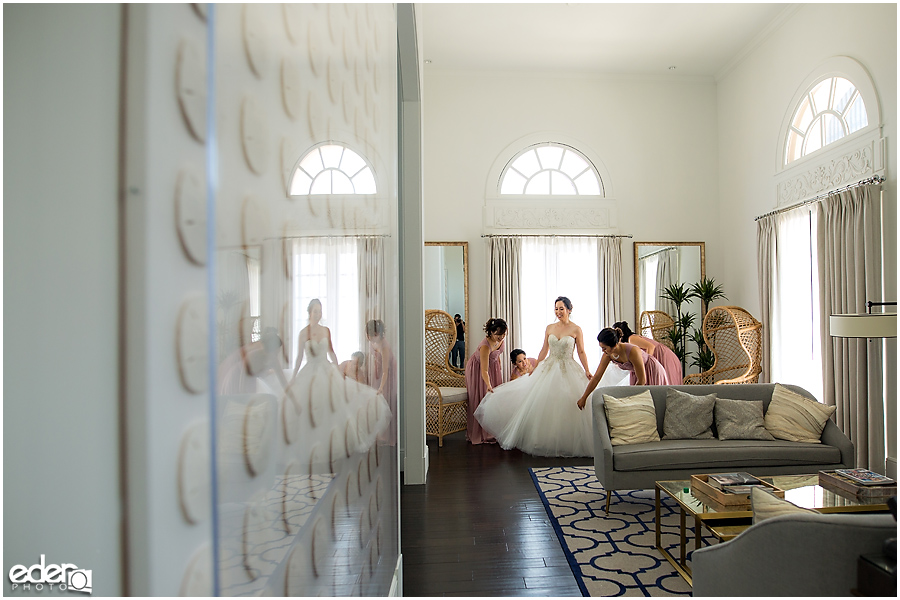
(655, 324)
(446, 398)
(735, 339)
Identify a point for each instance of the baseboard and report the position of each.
(890, 467)
(397, 580)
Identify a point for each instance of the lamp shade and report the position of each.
(882, 325)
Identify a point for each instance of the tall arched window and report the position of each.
(550, 169)
(830, 110)
(332, 169)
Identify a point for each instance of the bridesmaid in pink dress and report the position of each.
(483, 372)
(645, 370)
(384, 375)
(668, 359)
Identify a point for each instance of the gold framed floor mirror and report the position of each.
(659, 264)
(446, 284)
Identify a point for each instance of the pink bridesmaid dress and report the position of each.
(656, 374)
(669, 361)
(477, 389)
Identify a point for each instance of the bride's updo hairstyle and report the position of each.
(624, 329)
(609, 337)
(314, 302)
(495, 327)
(566, 302)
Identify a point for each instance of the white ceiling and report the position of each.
(635, 39)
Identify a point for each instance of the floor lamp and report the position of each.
(872, 326)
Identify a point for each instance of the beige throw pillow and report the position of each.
(795, 418)
(767, 505)
(631, 420)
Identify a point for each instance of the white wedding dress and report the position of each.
(538, 413)
(333, 401)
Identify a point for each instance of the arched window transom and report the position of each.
(550, 169)
(831, 110)
(332, 169)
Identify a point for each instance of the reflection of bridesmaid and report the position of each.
(483, 372)
(668, 359)
(384, 374)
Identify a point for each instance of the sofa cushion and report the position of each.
(632, 420)
(795, 418)
(689, 417)
(766, 505)
(741, 420)
(711, 456)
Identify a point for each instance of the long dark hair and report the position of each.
(609, 337)
(515, 354)
(495, 326)
(623, 327)
(375, 328)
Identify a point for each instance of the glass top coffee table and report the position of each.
(725, 523)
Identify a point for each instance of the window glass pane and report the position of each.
(821, 95)
(331, 156)
(513, 183)
(549, 156)
(561, 185)
(843, 91)
(340, 183)
(322, 183)
(803, 116)
(527, 164)
(588, 184)
(856, 115)
(572, 164)
(312, 163)
(814, 137)
(300, 183)
(539, 184)
(794, 147)
(834, 128)
(364, 182)
(351, 163)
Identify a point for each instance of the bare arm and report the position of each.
(642, 343)
(330, 347)
(595, 380)
(304, 335)
(484, 353)
(579, 348)
(638, 361)
(544, 349)
(385, 364)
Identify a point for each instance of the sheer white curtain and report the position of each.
(560, 266)
(795, 316)
(327, 269)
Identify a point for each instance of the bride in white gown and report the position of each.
(539, 414)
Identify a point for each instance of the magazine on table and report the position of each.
(724, 481)
(864, 476)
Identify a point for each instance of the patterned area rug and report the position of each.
(615, 554)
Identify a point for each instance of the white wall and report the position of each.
(60, 208)
(655, 137)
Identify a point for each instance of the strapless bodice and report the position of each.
(561, 350)
(317, 349)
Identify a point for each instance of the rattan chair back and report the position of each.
(441, 418)
(655, 324)
(735, 339)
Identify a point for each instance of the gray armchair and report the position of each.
(791, 555)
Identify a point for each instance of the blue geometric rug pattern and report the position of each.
(615, 554)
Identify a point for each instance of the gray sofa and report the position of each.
(791, 555)
(640, 466)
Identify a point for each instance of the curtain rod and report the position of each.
(492, 235)
(820, 197)
(655, 252)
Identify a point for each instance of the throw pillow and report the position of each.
(631, 420)
(741, 420)
(688, 417)
(795, 418)
(767, 505)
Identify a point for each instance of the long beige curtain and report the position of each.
(609, 265)
(506, 258)
(850, 272)
(765, 265)
(371, 265)
(667, 269)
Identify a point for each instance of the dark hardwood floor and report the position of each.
(478, 527)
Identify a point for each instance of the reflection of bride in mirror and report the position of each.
(331, 398)
(239, 372)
